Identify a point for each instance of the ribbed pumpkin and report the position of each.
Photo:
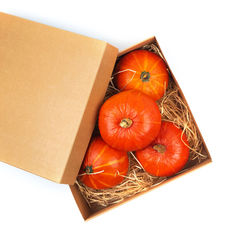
(129, 120)
(144, 71)
(103, 167)
(167, 154)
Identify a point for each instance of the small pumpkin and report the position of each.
(103, 167)
(129, 120)
(144, 71)
(167, 154)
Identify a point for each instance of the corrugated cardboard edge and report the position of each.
(82, 204)
(85, 130)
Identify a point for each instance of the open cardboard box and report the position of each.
(52, 85)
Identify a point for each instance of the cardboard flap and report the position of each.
(52, 83)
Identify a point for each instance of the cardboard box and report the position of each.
(52, 85)
(88, 212)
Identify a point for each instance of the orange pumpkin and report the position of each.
(103, 167)
(129, 120)
(167, 154)
(144, 71)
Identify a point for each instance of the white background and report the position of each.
(207, 46)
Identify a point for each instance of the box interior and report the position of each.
(89, 212)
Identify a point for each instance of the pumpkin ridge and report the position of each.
(156, 81)
(108, 174)
(158, 170)
(111, 163)
(141, 86)
(103, 183)
(140, 122)
(92, 182)
(100, 154)
(154, 89)
(157, 75)
(129, 83)
(174, 171)
(137, 62)
(155, 64)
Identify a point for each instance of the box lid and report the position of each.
(52, 83)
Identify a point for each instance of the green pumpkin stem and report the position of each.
(88, 169)
(145, 76)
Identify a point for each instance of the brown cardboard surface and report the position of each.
(84, 208)
(51, 85)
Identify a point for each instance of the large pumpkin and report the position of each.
(129, 120)
(103, 167)
(144, 71)
(167, 154)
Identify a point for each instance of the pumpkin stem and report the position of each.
(160, 148)
(88, 169)
(145, 76)
(126, 123)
